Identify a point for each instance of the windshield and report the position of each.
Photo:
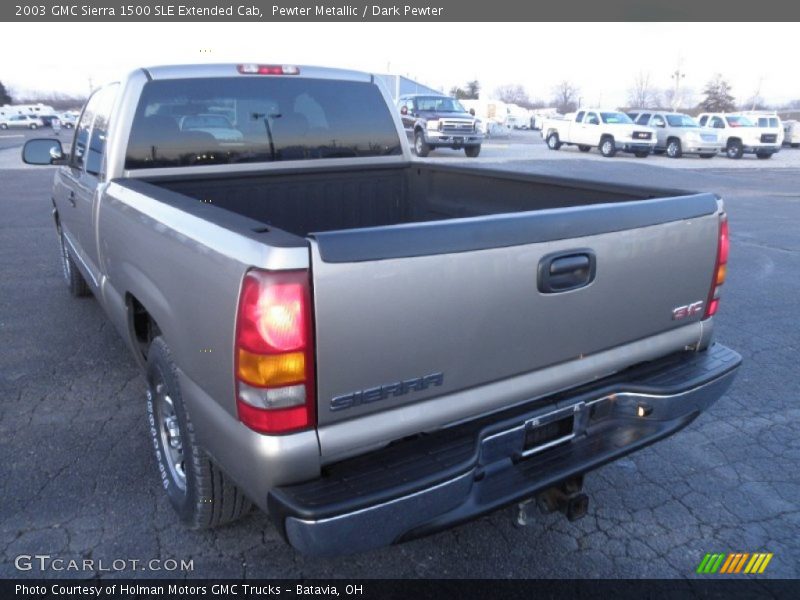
(439, 104)
(258, 119)
(738, 122)
(681, 121)
(615, 118)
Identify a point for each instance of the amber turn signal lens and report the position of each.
(271, 369)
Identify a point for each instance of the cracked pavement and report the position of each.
(78, 478)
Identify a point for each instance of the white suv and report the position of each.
(739, 135)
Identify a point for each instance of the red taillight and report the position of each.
(251, 69)
(273, 354)
(720, 267)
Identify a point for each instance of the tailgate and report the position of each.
(411, 312)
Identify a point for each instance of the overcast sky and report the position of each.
(601, 58)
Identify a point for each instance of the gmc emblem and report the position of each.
(688, 310)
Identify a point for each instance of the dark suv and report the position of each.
(433, 121)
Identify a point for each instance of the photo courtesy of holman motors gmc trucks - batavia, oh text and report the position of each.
(367, 345)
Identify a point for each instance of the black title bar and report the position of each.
(400, 11)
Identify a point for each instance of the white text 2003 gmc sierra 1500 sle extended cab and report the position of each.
(370, 347)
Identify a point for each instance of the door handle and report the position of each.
(71, 198)
(565, 271)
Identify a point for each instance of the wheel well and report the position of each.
(734, 139)
(673, 138)
(142, 325)
(606, 136)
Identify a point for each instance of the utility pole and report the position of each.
(758, 92)
(678, 76)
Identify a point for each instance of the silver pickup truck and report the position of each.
(369, 347)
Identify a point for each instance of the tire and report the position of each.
(607, 147)
(734, 149)
(3, 126)
(674, 149)
(707, 155)
(421, 147)
(198, 490)
(764, 155)
(642, 154)
(553, 142)
(583, 148)
(33, 126)
(75, 282)
(472, 151)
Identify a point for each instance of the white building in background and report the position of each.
(9, 110)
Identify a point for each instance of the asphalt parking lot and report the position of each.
(78, 478)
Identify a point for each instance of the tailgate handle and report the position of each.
(565, 271)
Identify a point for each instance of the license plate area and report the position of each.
(555, 431)
(542, 436)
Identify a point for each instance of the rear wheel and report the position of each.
(3, 126)
(553, 142)
(472, 151)
(75, 281)
(674, 149)
(734, 149)
(764, 155)
(33, 126)
(607, 147)
(583, 148)
(198, 490)
(421, 147)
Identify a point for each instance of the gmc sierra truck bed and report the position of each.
(370, 347)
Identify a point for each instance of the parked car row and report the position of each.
(641, 132)
(28, 121)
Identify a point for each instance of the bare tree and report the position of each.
(643, 94)
(512, 94)
(565, 96)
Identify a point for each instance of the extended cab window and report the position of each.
(185, 122)
(579, 117)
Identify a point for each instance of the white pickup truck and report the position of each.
(608, 130)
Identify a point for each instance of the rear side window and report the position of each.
(185, 122)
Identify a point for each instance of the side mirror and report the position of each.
(42, 151)
(404, 110)
(472, 111)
